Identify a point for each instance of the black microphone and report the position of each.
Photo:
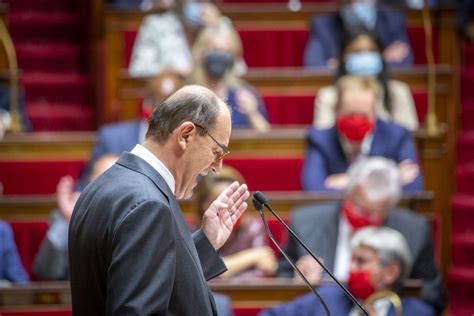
(259, 200)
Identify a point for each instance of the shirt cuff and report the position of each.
(57, 234)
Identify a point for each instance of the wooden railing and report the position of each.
(14, 208)
(262, 293)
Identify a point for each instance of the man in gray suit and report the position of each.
(370, 200)
(130, 251)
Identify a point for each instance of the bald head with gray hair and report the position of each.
(378, 176)
(189, 104)
(390, 246)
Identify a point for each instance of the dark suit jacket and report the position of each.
(326, 31)
(340, 305)
(130, 251)
(111, 139)
(318, 226)
(325, 156)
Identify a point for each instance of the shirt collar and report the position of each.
(156, 163)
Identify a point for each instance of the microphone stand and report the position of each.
(259, 200)
(269, 233)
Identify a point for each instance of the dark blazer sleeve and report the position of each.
(100, 149)
(407, 151)
(322, 41)
(433, 291)
(12, 267)
(212, 264)
(396, 30)
(315, 169)
(143, 253)
(51, 264)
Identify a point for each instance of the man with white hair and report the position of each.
(370, 200)
(380, 263)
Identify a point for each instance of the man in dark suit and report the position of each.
(380, 262)
(115, 138)
(323, 47)
(130, 251)
(370, 200)
(357, 133)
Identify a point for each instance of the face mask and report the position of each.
(192, 14)
(360, 13)
(356, 219)
(360, 284)
(354, 127)
(217, 63)
(364, 63)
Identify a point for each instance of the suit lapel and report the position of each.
(137, 164)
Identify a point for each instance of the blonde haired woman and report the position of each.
(217, 54)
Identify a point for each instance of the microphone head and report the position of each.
(259, 200)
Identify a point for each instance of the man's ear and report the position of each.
(391, 274)
(185, 133)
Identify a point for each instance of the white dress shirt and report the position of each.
(153, 161)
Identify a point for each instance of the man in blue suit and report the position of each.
(381, 261)
(323, 47)
(358, 133)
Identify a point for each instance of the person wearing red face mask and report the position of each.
(380, 263)
(357, 133)
(370, 199)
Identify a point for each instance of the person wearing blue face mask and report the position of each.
(323, 47)
(162, 40)
(362, 56)
(217, 54)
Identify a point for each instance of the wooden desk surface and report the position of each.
(257, 293)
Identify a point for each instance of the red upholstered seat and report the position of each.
(36, 177)
(269, 173)
(290, 109)
(28, 238)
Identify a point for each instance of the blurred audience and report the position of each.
(357, 133)
(164, 37)
(464, 23)
(323, 48)
(116, 138)
(5, 111)
(51, 261)
(380, 263)
(217, 54)
(11, 268)
(371, 197)
(246, 253)
(362, 56)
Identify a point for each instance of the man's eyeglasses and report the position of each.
(220, 154)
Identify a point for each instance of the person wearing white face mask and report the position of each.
(362, 56)
(322, 49)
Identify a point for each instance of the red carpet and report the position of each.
(48, 38)
(461, 274)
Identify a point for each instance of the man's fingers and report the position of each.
(224, 196)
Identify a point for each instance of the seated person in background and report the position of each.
(246, 253)
(5, 111)
(11, 268)
(215, 53)
(162, 41)
(380, 263)
(116, 138)
(362, 56)
(51, 262)
(357, 133)
(370, 200)
(322, 49)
